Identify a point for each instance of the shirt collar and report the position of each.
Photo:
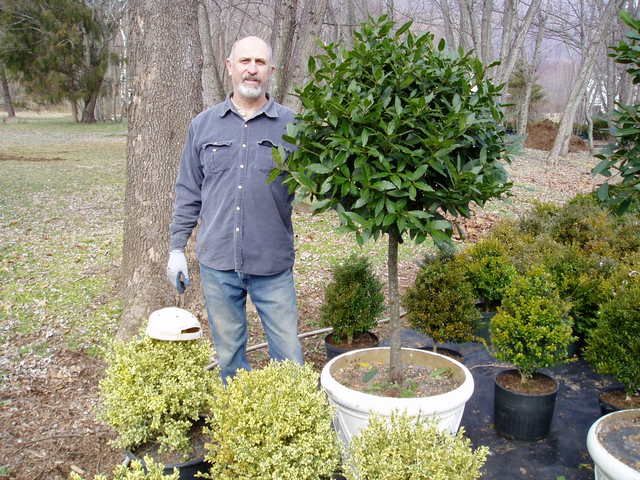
(269, 108)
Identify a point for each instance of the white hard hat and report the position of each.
(174, 324)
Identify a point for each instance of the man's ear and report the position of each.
(227, 63)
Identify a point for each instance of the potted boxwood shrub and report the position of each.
(395, 134)
(613, 442)
(148, 469)
(272, 423)
(441, 303)
(402, 449)
(353, 303)
(532, 331)
(154, 394)
(613, 346)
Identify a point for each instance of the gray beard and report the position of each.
(250, 92)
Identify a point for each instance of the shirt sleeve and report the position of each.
(188, 199)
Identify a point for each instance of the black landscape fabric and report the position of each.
(563, 453)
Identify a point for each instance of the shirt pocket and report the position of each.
(217, 156)
(264, 156)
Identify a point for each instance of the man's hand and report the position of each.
(177, 271)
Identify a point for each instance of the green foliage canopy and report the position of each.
(395, 134)
(57, 47)
(624, 159)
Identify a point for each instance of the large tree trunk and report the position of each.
(486, 50)
(448, 25)
(212, 85)
(89, 108)
(166, 60)
(530, 79)
(6, 93)
(561, 142)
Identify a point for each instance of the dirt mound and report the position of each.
(540, 135)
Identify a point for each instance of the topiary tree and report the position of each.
(624, 158)
(613, 347)
(395, 134)
(150, 470)
(441, 302)
(353, 300)
(531, 329)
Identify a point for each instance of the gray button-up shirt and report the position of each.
(245, 224)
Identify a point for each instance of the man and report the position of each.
(245, 242)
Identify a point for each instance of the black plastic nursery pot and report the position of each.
(364, 340)
(187, 470)
(523, 416)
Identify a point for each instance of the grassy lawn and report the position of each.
(61, 217)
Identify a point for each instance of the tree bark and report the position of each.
(395, 360)
(6, 93)
(561, 142)
(282, 37)
(531, 79)
(89, 108)
(448, 25)
(166, 61)
(306, 36)
(485, 35)
(509, 56)
(212, 85)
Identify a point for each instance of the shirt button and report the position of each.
(237, 229)
(240, 187)
(237, 208)
(215, 149)
(241, 166)
(245, 125)
(244, 145)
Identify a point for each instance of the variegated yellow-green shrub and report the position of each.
(154, 390)
(135, 471)
(402, 449)
(272, 423)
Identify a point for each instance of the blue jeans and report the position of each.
(274, 296)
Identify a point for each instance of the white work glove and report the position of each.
(177, 271)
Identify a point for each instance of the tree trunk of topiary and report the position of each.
(395, 361)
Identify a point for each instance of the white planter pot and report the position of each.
(352, 408)
(607, 466)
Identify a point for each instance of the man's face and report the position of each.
(250, 68)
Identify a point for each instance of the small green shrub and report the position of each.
(154, 390)
(538, 220)
(514, 240)
(626, 239)
(584, 223)
(404, 449)
(135, 471)
(489, 269)
(353, 300)
(581, 279)
(613, 347)
(531, 329)
(441, 302)
(272, 423)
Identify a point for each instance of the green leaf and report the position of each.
(403, 29)
(273, 174)
(319, 168)
(383, 185)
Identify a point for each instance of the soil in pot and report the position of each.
(419, 380)
(620, 435)
(363, 340)
(539, 385)
(613, 399)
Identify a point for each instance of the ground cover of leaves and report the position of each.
(61, 214)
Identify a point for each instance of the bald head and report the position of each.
(250, 43)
